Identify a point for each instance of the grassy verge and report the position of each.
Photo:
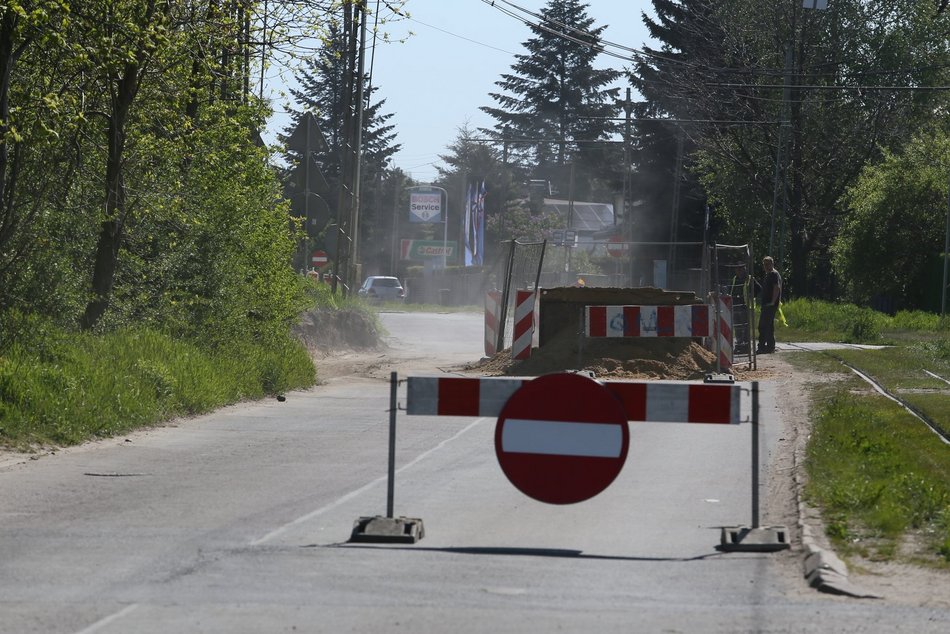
(881, 478)
(812, 320)
(902, 371)
(62, 388)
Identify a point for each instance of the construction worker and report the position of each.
(770, 299)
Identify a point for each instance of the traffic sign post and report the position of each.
(562, 438)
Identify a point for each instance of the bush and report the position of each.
(64, 388)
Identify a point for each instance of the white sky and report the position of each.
(436, 80)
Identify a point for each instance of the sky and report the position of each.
(442, 62)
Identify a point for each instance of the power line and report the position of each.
(822, 87)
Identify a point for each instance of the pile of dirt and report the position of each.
(653, 358)
(325, 330)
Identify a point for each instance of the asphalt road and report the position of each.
(238, 522)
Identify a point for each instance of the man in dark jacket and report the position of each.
(771, 296)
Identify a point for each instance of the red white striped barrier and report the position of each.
(458, 396)
(524, 325)
(643, 401)
(492, 317)
(647, 321)
(723, 330)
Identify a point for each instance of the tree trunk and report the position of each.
(110, 233)
(8, 58)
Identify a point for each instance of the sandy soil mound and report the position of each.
(327, 330)
(628, 358)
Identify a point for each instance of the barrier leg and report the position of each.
(389, 529)
(754, 538)
(391, 480)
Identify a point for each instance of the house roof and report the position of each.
(588, 216)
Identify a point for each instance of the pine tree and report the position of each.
(322, 86)
(555, 107)
(667, 78)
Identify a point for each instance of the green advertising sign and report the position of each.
(427, 249)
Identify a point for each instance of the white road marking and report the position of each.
(352, 494)
(101, 623)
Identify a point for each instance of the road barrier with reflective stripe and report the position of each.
(647, 321)
(561, 449)
(492, 317)
(524, 325)
(643, 401)
(722, 326)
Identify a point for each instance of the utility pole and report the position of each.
(778, 185)
(397, 189)
(355, 265)
(344, 197)
(946, 258)
(628, 110)
(675, 212)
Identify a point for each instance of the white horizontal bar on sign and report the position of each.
(560, 438)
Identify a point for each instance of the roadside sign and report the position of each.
(616, 247)
(425, 204)
(562, 438)
(319, 258)
(564, 237)
(422, 250)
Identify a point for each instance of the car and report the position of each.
(382, 288)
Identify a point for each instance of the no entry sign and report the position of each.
(562, 438)
(318, 258)
(616, 247)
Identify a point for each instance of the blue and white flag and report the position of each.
(479, 258)
(469, 226)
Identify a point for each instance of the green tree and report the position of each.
(556, 108)
(323, 85)
(135, 185)
(894, 223)
(830, 77)
(662, 153)
(468, 163)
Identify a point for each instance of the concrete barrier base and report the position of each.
(387, 530)
(760, 539)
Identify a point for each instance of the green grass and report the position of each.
(900, 369)
(813, 320)
(878, 475)
(63, 388)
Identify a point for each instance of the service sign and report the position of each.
(425, 205)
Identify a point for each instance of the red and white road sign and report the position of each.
(319, 258)
(647, 321)
(562, 438)
(524, 325)
(616, 247)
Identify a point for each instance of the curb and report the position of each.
(823, 569)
